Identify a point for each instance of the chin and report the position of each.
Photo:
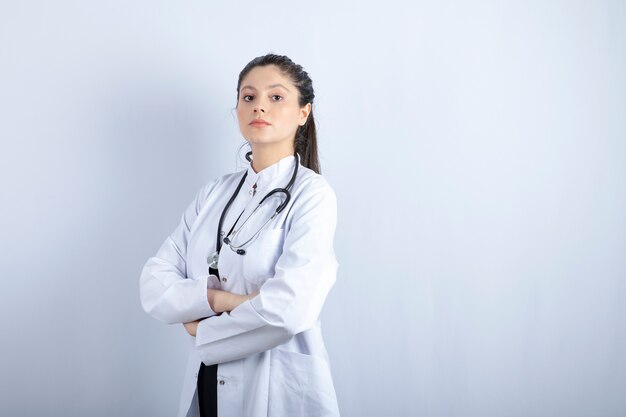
(255, 141)
(260, 141)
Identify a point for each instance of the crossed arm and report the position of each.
(305, 271)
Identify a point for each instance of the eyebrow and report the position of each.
(269, 86)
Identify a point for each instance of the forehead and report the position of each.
(265, 77)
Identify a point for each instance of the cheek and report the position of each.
(289, 116)
(240, 115)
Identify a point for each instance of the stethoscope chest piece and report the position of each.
(212, 259)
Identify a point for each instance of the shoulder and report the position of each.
(312, 196)
(216, 185)
(311, 184)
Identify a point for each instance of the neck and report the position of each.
(265, 155)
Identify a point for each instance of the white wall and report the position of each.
(477, 150)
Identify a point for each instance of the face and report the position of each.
(266, 94)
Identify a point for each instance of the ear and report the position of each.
(304, 114)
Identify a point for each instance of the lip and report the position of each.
(259, 123)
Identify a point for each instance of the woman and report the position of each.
(251, 299)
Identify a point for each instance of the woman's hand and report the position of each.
(191, 327)
(220, 301)
(224, 301)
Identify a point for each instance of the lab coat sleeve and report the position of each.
(290, 302)
(166, 292)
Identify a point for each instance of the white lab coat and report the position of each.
(271, 354)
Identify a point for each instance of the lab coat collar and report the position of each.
(270, 173)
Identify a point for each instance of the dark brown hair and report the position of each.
(305, 141)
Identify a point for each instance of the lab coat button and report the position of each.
(224, 279)
(196, 375)
(222, 382)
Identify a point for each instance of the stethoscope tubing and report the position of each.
(231, 234)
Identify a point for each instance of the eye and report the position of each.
(279, 97)
(244, 97)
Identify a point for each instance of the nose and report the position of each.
(258, 109)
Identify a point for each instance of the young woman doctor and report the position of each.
(251, 299)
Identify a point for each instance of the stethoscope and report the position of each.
(213, 258)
